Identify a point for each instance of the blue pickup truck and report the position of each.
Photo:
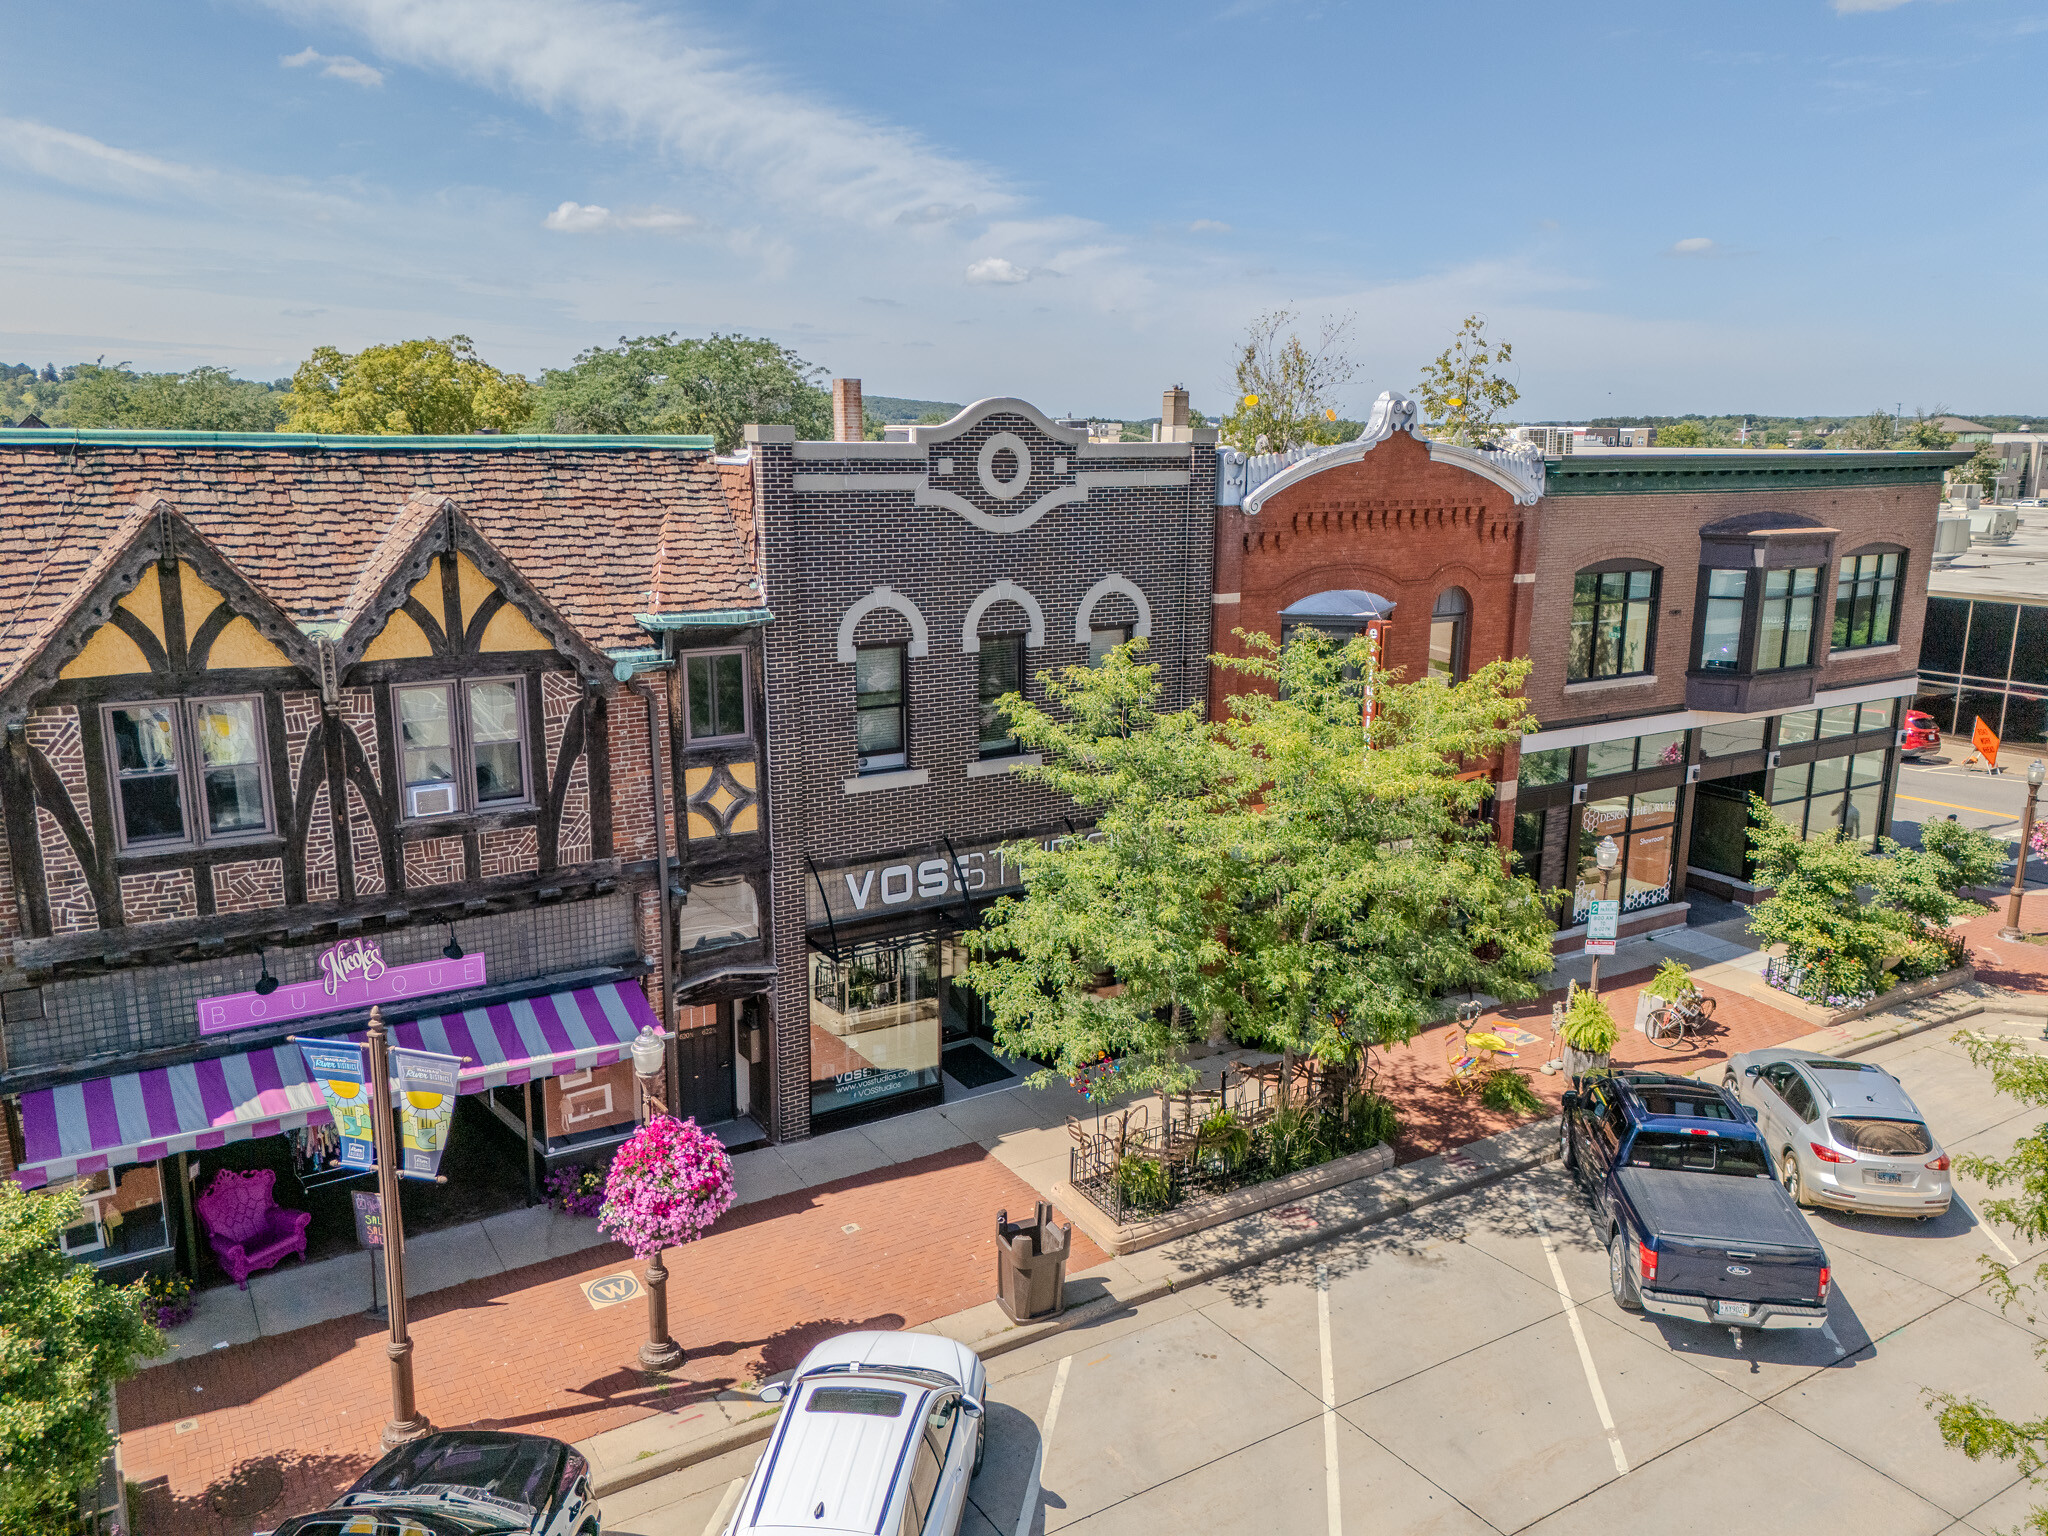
(1696, 1225)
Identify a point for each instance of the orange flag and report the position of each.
(1985, 741)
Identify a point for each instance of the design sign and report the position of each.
(352, 974)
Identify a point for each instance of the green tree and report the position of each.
(1924, 432)
(1865, 432)
(1982, 468)
(1285, 392)
(1280, 877)
(715, 385)
(1852, 924)
(203, 400)
(66, 1338)
(1967, 1423)
(431, 387)
(1690, 433)
(1462, 396)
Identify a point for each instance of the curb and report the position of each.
(755, 1430)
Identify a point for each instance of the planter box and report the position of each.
(1908, 992)
(1212, 1210)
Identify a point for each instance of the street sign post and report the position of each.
(1603, 923)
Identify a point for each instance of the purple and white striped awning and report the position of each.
(82, 1128)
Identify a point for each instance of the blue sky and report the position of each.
(1778, 206)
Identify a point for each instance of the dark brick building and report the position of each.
(264, 696)
(909, 582)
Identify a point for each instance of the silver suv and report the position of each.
(880, 1433)
(1843, 1134)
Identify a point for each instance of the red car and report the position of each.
(1921, 736)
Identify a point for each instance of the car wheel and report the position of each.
(1619, 1280)
(1788, 1171)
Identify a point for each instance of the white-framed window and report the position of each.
(187, 771)
(462, 746)
(715, 704)
(881, 711)
(1002, 671)
(1104, 639)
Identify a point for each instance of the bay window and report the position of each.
(715, 683)
(1785, 626)
(1721, 622)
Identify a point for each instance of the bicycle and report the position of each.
(1681, 1020)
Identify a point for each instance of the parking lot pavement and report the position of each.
(1447, 1372)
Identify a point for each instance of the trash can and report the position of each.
(1031, 1265)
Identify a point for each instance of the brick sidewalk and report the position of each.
(525, 1352)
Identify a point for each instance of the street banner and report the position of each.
(369, 1218)
(427, 1085)
(1603, 922)
(1985, 741)
(337, 1066)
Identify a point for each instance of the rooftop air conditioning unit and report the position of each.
(1951, 538)
(430, 799)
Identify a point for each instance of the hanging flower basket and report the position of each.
(668, 1183)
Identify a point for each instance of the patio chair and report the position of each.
(248, 1229)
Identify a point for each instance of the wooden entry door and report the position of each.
(704, 1054)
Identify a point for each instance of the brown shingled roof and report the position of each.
(312, 527)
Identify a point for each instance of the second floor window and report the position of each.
(1721, 621)
(1447, 625)
(881, 732)
(1612, 619)
(1002, 671)
(188, 770)
(717, 685)
(1784, 636)
(1102, 641)
(462, 746)
(1866, 607)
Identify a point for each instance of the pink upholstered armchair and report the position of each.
(248, 1229)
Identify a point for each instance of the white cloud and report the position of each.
(1695, 245)
(337, 65)
(1208, 227)
(996, 269)
(585, 218)
(637, 75)
(76, 160)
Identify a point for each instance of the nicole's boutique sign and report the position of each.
(352, 974)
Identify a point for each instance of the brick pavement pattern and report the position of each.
(525, 1352)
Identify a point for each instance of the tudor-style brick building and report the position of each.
(264, 694)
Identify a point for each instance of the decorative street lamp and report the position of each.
(2036, 772)
(406, 1421)
(659, 1352)
(650, 1056)
(1607, 855)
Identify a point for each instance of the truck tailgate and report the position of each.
(1736, 1238)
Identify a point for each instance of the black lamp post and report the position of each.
(2036, 772)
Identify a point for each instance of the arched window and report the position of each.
(1866, 598)
(1614, 622)
(1449, 622)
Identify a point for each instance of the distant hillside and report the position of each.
(894, 411)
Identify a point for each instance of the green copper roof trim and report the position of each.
(482, 442)
(1758, 469)
(710, 618)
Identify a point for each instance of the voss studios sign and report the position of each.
(907, 882)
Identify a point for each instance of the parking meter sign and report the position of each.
(1603, 922)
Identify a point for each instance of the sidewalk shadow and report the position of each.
(306, 1483)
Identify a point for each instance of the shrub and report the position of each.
(1672, 981)
(166, 1300)
(1223, 1140)
(1588, 1026)
(1144, 1182)
(1508, 1092)
(1365, 1121)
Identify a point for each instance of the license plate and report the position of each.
(1731, 1309)
(1884, 1176)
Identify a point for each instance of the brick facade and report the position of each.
(841, 522)
(433, 861)
(159, 897)
(252, 885)
(508, 851)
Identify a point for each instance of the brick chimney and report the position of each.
(848, 425)
(1173, 417)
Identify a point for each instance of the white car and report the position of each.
(880, 1435)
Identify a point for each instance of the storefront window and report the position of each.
(1528, 847)
(122, 1215)
(1643, 826)
(1736, 736)
(1881, 716)
(874, 1022)
(1635, 754)
(1835, 794)
(1838, 721)
(1553, 765)
(1793, 729)
(1606, 758)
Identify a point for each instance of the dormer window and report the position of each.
(1761, 634)
(187, 771)
(455, 760)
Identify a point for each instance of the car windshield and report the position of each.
(1698, 1154)
(510, 1476)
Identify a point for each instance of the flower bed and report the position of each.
(576, 1190)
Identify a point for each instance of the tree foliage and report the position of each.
(430, 387)
(1462, 394)
(1693, 434)
(1852, 924)
(1269, 876)
(714, 385)
(66, 1338)
(1982, 468)
(1286, 393)
(203, 400)
(1868, 432)
(1925, 432)
(1967, 1422)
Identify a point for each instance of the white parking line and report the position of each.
(1571, 1315)
(724, 1511)
(1992, 1233)
(1052, 1417)
(1329, 1403)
